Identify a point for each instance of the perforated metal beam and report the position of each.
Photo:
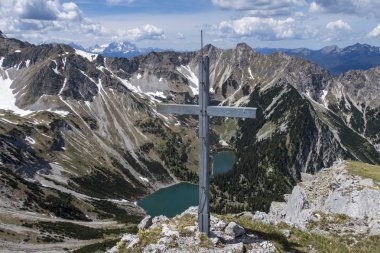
(217, 111)
(232, 112)
(178, 109)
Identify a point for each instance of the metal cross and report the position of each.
(203, 110)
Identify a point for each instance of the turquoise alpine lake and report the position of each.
(175, 199)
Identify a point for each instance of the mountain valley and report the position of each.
(83, 128)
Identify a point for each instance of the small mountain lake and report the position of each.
(175, 199)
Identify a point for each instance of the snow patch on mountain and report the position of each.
(191, 76)
(250, 73)
(144, 179)
(30, 140)
(59, 112)
(7, 97)
(323, 98)
(56, 68)
(157, 94)
(88, 56)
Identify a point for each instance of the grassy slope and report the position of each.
(364, 170)
(301, 241)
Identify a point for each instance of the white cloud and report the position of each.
(146, 32)
(261, 7)
(375, 32)
(338, 25)
(19, 17)
(363, 8)
(70, 11)
(261, 28)
(337, 30)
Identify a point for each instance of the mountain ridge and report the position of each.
(336, 60)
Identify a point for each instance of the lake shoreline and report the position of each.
(174, 198)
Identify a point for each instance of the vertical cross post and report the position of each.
(204, 111)
(204, 148)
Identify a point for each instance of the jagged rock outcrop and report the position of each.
(334, 200)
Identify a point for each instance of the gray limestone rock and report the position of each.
(297, 210)
(155, 248)
(191, 210)
(355, 203)
(133, 243)
(237, 247)
(234, 230)
(306, 177)
(286, 233)
(261, 216)
(367, 182)
(159, 219)
(375, 229)
(145, 223)
(220, 225)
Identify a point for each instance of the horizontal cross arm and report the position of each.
(232, 112)
(178, 109)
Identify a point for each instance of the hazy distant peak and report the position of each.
(330, 49)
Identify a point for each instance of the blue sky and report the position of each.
(176, 24)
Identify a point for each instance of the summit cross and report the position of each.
(204, 111)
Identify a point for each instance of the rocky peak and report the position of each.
(243, 53)
(330, 49)
(243, 47)
(362, 86)
(360, 49)
(211, 51)
(2, 35)
(120, 47)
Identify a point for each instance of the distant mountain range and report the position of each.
(336, 60)
(117, 49)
